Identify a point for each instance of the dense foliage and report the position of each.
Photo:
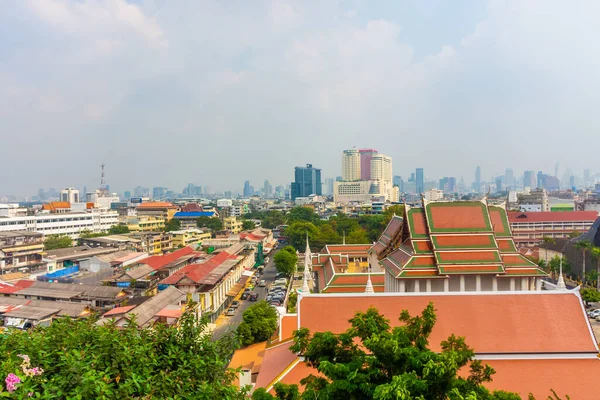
(172, 225)
(259, 323)
(590, 295)
(248, 225)
(286, 260)
(81, 360)
(371, 360)
(212, 223)
(118, 229)
(53, 242)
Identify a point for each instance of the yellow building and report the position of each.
(145, 224)
(190, 236)
(232, 224)
(157, 209)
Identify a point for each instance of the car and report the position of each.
(245, 295)
(589, 312)
(280, 275)
(262, 283)
(594, 313)
(283, 281)
(235, 304)
(275, 303)
(230, 312)
(253, 297)
(253, 279)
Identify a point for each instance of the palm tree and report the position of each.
(547, 242)
(583, 245)
(596, 255)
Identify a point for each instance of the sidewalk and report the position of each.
(222, 318)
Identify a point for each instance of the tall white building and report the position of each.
(70, 195)
(379, 186)
(351, 165)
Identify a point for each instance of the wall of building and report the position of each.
(462, 283)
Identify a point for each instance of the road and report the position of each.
(231, 323)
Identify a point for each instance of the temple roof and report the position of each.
(451, 237)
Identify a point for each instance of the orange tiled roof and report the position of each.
(463, 241)
(575, 378)
(458, 216)
(275, 361)
(118, 310)
(156, 204)
(489, 322)
(289, 323)
(55, 205)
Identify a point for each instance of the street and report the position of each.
(229, 324)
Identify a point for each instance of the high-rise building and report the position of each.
(540, 180)
(159, 193)
(477, 185)
(248, 190)
(587, 178)
(70, 195)
(351, 165)
(127, 195)
(509, 178)
(268, 189)
(529, 179)
(328, 187)
(420, 186)
(140, 191)
(365, 163)
(448, 184)
(307, 182)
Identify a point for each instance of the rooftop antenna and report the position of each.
(102, 182)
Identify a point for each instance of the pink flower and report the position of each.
(11, 381)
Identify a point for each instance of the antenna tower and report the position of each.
(102, 181)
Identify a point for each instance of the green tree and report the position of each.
(302, 214)
(590, 295)
(53, 242)
(574, 234)
(172, 225)
(397, 209)
(292, 302)
(373, 224)
(296, 235)
(554, 265)
(83, 360)
(259, 323)
(584, 246)
(371, 360)
(286, 260)
(328, 234)
(212, 223)
(596, 256)
(547, 242)
(118, 229)
(357, 236)
(247, 225)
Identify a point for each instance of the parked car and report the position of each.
(253, 297)
(275, 303)
(281, 281)
(235, 304)
(590, 311)
(245, 295)
(230, 312)
(280, 275)
(262, 283)
(253, 279)
(594, 314)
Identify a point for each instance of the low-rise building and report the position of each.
(189, 219)
(187, 237)
(20, 249)
(158, 209)
(144, 223)
(530, 228)
(232, 224)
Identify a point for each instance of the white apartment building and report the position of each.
(70, 195)
(71, 224)
(351, 165)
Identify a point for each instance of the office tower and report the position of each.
(477, 186)
(420, 187)
(586, 177)
(448, 184)
(140, 191)
(268, 189)
(499, 184)
(307, 182)
(159, 193)
(365, 163)
(509, 178)
(328, 187)
(381, 175)
(540, 180)
(338, 179)
(529, 179)
(70, 195)
(127, 195)
(351, 165)
(247, 189)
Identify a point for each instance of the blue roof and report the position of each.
(192, 214)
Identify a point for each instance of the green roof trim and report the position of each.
(418, 251)
(410, 264)
(411, 226)
(483, 207)
(512, 249)
(504, 218)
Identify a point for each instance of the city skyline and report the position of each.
(136, 85)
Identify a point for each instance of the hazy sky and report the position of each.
(168, 92)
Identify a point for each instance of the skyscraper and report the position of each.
(247, 189)
(351, 165)
(365, 163)
(529, 179)
(328, 186)
(268, 189)
(509, 178)
(586, 177)
(158, 193)
(420, 187)
(477, 185)
(307, 182)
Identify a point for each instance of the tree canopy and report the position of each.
(247, 225)
(79, 359)
(259, 323)
(118, 229)
(590, 295)
(53, 242)
(212, 223)
(172, 225)
(372, 360)
(286, 260)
